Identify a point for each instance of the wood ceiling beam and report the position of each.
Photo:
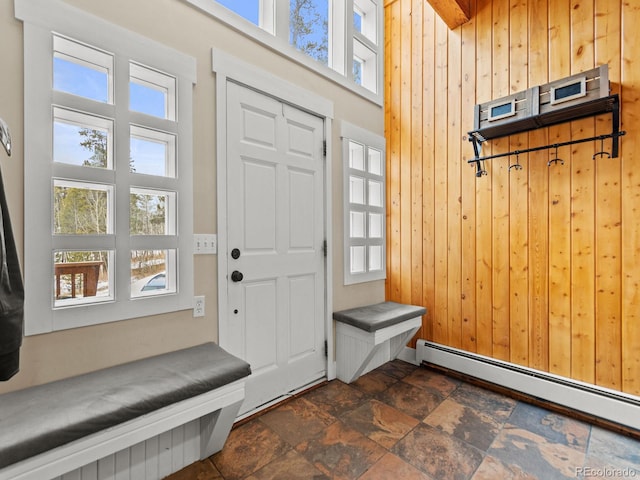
(453, 12)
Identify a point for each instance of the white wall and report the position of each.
(180, 26)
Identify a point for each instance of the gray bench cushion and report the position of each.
(43, 417)
(381, 315)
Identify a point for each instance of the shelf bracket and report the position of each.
(477, 148)
(615, 119)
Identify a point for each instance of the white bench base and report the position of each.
(359, 351)
(216, 411)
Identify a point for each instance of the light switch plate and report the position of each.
(205, 243)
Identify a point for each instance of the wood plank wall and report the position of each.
(539, 266)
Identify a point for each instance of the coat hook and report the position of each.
(556, 159)
(602, 153)
(516, 165)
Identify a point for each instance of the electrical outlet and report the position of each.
(205, 243)
(198, 306)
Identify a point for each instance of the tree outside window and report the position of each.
(309, 28)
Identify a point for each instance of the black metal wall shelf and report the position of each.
(599, 106)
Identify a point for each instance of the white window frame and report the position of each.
(273, 32)
(97, 60)
(42, 19)
(353, 133)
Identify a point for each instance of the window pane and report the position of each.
(356, 190)
(71, 77)
(375, 225)
(356, 156)
(365, 11)
(152, 152)
(357, 259)
(152, 272)
(375, 257)
(81, 208)
(357, 224)
(366, 69)
(81, 70)
(147, 99)
(151, 212)
(357, 20)
(357, 70)
(81, 277)
(248, 9)
(375, 193)
(151, 92)
(80, 139)
(375, 162)
(308, 28)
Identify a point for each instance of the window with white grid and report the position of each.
(364, 205)
(108, 171)
(343, 35)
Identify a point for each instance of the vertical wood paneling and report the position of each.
(538, 266)
(406, 143)
(122, 462)
(559, 203)
(107, 468)
(582, 208)
(416, 153)
(484, 214)
(389, 82)
(500, 189)
(518, 195)
(164, 454)
(608, 215)
(75, 475)
(440, 323)
(152, 452)
(393, 127)
(428, 167)
(138, 457)
(175, 449)
(89, 472)
(468, 245)
(630, 91)
(454, 193)
(538, 215)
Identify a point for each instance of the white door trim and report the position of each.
(226, 67)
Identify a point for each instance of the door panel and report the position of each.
(258, 126)
(301, 299)
(275, 218)
(301, 207)
(259, 229)
(260, 315)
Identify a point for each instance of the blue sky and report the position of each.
(148, 156)
(249, 9)
(245, 8)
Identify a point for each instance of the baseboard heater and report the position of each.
(611, 405)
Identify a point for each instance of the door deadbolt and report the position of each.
(235, 253)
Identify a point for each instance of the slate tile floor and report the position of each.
(403, 422)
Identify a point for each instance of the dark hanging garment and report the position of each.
(11, 296)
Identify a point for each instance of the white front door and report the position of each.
(275, 236)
